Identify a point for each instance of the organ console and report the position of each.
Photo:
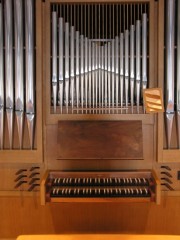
(118, 186)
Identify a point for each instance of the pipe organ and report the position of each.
(72, 78)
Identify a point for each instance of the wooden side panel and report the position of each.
(100, 140)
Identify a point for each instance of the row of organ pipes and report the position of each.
(99, 55)
(17, 83)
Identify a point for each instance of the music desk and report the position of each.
(98, 237)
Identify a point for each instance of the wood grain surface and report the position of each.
(100, 139)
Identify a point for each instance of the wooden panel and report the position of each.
(100, 140)
(25, 216)
(98, 237)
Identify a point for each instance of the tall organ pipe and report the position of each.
(109, 74)
(67, 64)
(82, 69)
(132, 45)
(19, 72)
(144, 50)
(72, 65)
(90, 73)
(170, 68)
(105, 76)
(54, 58)
(102, 76)
(178, 73)
(77, 68)
(30, 99)
(117, 69)
(121, 69)
(86, 70)
(61, 65)
(9, 86)
(99, 74)
(113, 71)
(96, 74)
(138, 77)
(126, 67)
(1, 80)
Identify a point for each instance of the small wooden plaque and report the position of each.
(100, 140)
(153, 100)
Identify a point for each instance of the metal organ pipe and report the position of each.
(93, 75)
(89, 75)
(67, 64)
(121, 69)
(90, 61)
(96, 74)
(1, 80)
(138, 77)
(102, 76)
(30, 99)
(54, 58)
(109, 74)
(72, 66)
(113, 71)
(77, 69)
(99, 75)
(170, 68)
(61, 65)
(178, 73)
(82, 68)
(86, 71)
(126, 67)
(19, 69)
(117, 68)
(144, 50)
(105, 68)
(9, 84)
(132, 75)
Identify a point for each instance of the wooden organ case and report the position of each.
(97, 130)
(92, 139)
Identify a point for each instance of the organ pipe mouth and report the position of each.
(88, 41)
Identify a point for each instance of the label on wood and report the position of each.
(100, 140)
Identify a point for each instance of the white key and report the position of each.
(146, 191)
